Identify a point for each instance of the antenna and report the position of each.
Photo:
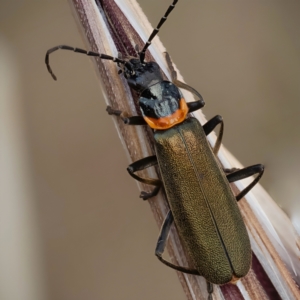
(78, 50)
(156, 30)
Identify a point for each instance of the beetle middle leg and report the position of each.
(141, 165)
(244, 173)
(235, 174)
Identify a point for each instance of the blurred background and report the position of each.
(66, 232)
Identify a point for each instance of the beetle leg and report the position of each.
(191, 105)
(231, 170)
(161, 245)
(244, 173)
(195, 105)
(134, 120)
(141, 165)
(210, 290)
(210, 125)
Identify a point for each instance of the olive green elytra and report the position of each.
(204, 208)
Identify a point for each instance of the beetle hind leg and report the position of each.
(210, 290)
(161, 245)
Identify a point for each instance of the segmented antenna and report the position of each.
(89, 53)
(156, 30)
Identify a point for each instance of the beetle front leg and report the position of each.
(161, 245)
(210, 125)
(244, 173)
(134, 120)
(191, 105)
(141, 165)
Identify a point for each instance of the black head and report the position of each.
(141, 75)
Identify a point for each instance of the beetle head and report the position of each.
(141, 75)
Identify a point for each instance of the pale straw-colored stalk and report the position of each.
(273, 239)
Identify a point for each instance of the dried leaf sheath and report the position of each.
(111, 32)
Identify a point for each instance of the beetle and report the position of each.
(202, 204)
